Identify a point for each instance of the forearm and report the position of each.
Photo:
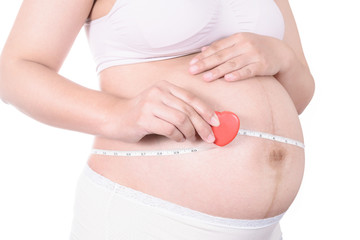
(296, 78)
(52, 99)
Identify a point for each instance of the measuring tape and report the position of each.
(243, 132)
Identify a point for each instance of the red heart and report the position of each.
(228, 129)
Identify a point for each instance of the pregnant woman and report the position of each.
(165, 68)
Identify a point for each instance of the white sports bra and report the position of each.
(148, 30)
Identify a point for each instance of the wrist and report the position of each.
(113, 123)
(120, 121)
(291, 66)
(289, 60)
(297, 80)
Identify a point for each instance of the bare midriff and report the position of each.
(251, 178)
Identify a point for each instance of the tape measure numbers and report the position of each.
(169, 152)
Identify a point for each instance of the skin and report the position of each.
(246, 55)
(168, 104)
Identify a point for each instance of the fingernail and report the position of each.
(215, 121)
(208, 76)
(194, 69)
(229, 77)
(194, 61)
(210, 138)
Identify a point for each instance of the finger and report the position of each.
(202, 128)
(215, 47)
(248, 71)
(201, 63)
(162, 125)
(204, 48)
(198, 124)
(177, 112)
(177, 118)
(195, 59)
(216, 59)
(228, 66)
(203, 109)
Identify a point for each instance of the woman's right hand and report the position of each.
(168, 110)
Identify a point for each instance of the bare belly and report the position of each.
(251, 178)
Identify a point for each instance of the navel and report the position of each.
(277, 157)
(277, 161)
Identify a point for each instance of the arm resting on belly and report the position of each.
(296, 76)
(298, 82)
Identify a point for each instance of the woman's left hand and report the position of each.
(242, 56)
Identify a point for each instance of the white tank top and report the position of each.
(148, 30)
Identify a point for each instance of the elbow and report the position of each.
(307, 95)
(5, 79)
(3, 92)
(8, 70)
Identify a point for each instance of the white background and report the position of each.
(39, 165)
